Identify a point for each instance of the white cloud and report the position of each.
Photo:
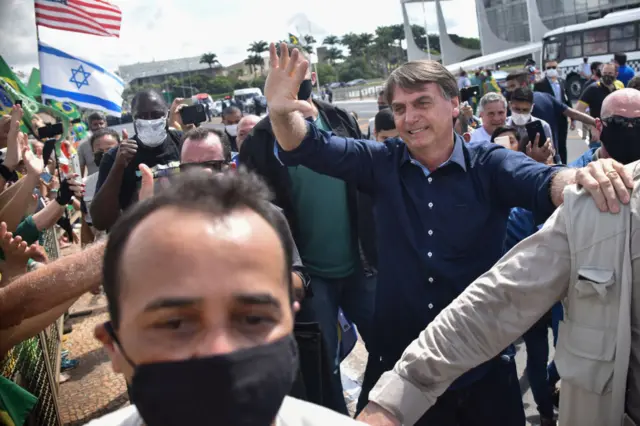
(166, 29)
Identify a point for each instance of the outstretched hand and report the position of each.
(16, 254)
(286, 73)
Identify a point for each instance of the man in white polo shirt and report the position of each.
(493, 113)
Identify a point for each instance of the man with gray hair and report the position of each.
(583, 256)
(493, 113)
(441, 208)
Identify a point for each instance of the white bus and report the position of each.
(596, 40)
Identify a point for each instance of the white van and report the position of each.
(247, 95)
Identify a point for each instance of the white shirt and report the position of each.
(480, 135)
(372, 128)
(293, 412)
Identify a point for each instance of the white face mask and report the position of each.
(551, 73)
(520, 119)
(232, 129)
(151, 132)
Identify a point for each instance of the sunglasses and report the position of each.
(617, 120)
(552, 68)
(215, 165)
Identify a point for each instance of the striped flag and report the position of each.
(97, 17)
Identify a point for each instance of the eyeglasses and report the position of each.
(618, 120)
(552, 68)
(215, 165)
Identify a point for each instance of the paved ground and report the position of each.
(94, 389)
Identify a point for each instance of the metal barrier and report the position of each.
(34, 364)
(356, 93)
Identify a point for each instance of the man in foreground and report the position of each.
(205, 336)
(441, 208)
(581, 255)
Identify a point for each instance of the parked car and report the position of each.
(357, 82)
(336, 85)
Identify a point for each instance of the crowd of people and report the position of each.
(230, 258)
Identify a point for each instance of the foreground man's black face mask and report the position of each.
(304, 92)
(241, 388)
(621, 141)
(97, 157)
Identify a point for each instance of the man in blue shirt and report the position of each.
(625, 72)
(441, 210)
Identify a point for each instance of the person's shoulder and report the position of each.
(127, 416)
(295, 412)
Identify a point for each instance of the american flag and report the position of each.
(97, 17)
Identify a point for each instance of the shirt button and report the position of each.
(429, 180)
(430, 279)
(430, 205)
(429, 254)
(430, 232)
(430, 305)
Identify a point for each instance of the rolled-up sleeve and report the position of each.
(520, 181)
(488, 316)
(352, 160)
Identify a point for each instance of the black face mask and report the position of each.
(607, 80)
(621, 141)
(241, 388)
(304, 92)
(97, 157)
(382, 107)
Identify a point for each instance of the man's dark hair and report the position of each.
(103, 132)
(384, 121)
(96, 116)
(521, 76)
(147, 94)
(502, 130)
(620, 58)
(522, 94)
(201, 133)
(595, 68)
(231, 110)
(215, 195)
(634, 83)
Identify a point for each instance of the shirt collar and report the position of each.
(457, 156)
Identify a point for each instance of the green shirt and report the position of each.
(324, 229)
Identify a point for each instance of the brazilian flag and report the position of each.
(34, 85)
(15, 403)
(293, 39)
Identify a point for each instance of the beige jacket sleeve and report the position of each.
(494, 311)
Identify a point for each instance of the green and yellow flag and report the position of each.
(15, 403)
(34, 85)
(293, 39)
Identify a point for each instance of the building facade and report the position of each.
(509, 23)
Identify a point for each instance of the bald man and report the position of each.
(578, 257)
(245, 126)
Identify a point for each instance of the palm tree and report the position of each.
(334, 54)
(209, 59)
(331, 40)
(258, 48)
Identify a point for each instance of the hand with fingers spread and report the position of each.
(286, 73)
(16, 254)
(539, 153)
(126, 150)
(607, 181)
(33, 163)
(14, 139)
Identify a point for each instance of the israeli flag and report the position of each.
(68, 78)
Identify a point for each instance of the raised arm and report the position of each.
(489, 315)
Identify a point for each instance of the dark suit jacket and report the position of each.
(545, 86)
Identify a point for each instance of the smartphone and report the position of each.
(46, 177)
(467, 93)
(194, 114)
(49, 146)
(50, 131)
(503, 141)
(535, 128)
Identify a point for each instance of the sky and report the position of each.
(170, 29)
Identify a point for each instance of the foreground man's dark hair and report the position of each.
(216, 195)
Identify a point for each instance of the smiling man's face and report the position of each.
(424, 118)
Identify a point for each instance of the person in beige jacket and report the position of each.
(582, 256)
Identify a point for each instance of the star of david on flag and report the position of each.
(84, 76)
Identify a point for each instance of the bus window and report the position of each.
(552, 48)
(622, 38)
(573, 46)
(595, 42)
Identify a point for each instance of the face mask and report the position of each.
(231, 129)
(304, 92)
(151, 133)
(607, 80)
(621, 142)
(551, 73)
(242, 388)
(97, 157)
(382, 107)
(520, 119)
